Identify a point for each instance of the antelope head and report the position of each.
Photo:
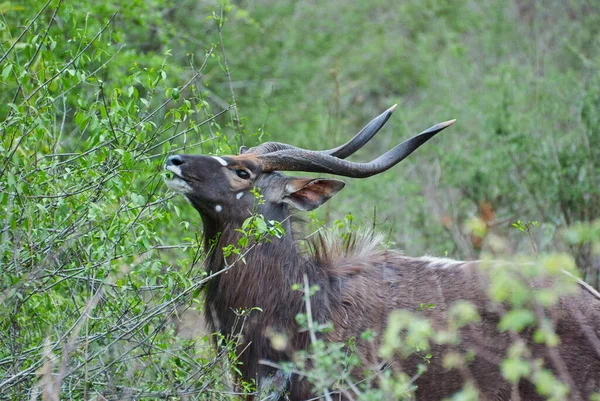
(220, 187)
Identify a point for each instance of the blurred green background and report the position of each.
(92, 103)
(520, 77)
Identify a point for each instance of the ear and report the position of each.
(243, 149)
(308, 194)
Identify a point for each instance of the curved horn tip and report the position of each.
(391, 109)
(446, 124)
(450, 122)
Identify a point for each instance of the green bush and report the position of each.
(92, 290)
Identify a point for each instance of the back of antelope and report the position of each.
(360, 283)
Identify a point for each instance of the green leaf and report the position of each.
(261, 225)
(6, 71)
(516, 320)
(514, 369)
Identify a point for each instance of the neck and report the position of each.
(264, 281)
(222, 231)
(266, 275)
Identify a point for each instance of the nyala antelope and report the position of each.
(360, 283)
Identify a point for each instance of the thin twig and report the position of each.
(311, 326)
(220, 24)
(70, 63)
(184, 87)
(37, 50)
(25, 30)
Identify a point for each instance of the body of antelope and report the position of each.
(359, 283)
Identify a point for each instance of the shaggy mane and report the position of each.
(349, 254)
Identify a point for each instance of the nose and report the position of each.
(175, 160)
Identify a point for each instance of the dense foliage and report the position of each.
(101, 267)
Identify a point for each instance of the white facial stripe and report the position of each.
(220, 160)
(174, 169)
(218, 208)
(239, 195)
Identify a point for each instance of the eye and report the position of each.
(243, 174)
